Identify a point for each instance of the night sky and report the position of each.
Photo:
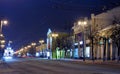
(29, 20)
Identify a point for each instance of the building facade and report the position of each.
(9, 52)
(81, 36)
(102, 25)
(100, 28)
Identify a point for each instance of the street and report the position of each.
(44, 66)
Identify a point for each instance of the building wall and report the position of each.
(102, 22)
(105, 19)
(98, 23)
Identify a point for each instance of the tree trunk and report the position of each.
(92, 50)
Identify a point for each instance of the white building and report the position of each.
(49, 43)
(9, 52)
(102, 25)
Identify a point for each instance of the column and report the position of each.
(101, 48)
(104, 50)
(98, 49)
(98, 52)
(111, 51)
(108, 49)
(107, 52)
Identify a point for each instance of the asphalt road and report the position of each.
(42, 66)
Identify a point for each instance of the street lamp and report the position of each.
(2, 22)
(41, 42)
(29, 46)
(2, 45)
(82, 24)
(54, 35)
(2, 41)
(33, 44)
(33, 49)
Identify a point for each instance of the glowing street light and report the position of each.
(82, 23)
(41, 41)
(1, 35)
(54, 35)
(25, 47)
(29, 46)
(3, 22)
(2, 41)
(2, 46)
(33, 44)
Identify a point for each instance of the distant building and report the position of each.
(49, 39)
(49, 43)
(8, 52)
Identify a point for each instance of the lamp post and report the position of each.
(54, 35)
(2, 22)
(82, 24)
(33, 49)
(2, 40)
(41, 42)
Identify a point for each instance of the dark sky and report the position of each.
(29, 20)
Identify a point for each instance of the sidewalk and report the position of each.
(110, 62)
(101, 62)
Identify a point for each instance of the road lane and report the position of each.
(55, 67)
